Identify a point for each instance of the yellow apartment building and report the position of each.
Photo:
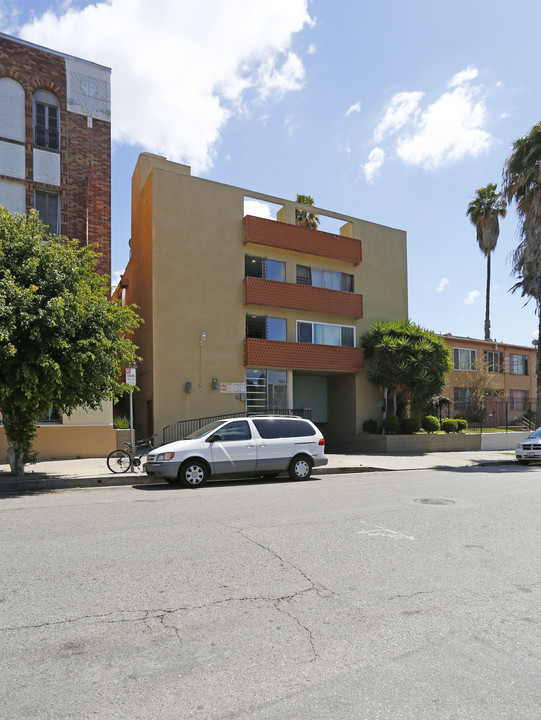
(510, 377)
(245, 313)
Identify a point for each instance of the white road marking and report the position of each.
(382, 532)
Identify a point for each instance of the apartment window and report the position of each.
(493, 361)
(464, 359)
(46, 120)
(325, 334)
(518, 399)
(518, 364)
(461, 395)
(330, 279)
(46, 204)
(52, 416)
(268, 328)
(264, 268)
(265, 389)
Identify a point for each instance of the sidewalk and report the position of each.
(93, 472)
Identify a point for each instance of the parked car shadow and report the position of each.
(236, 482)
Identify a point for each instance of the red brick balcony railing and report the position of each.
(302, 356)
(300, 239)
(258, 291)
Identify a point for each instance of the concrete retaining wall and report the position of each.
(423, 443)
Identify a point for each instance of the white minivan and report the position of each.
(248, 446)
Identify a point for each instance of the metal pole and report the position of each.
(132, 431)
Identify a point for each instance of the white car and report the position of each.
(529, 449)
(248, 446)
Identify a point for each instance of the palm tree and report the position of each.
(304, 217)
(484, 212)
(522, 184)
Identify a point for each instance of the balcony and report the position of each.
(272, 293)
(302, 240)
(302, 356)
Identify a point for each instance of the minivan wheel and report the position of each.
(192, 473)
(300, 468)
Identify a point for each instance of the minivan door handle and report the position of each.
(250, 445)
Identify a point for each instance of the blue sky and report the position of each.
(393, 112)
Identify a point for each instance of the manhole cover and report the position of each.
(434, 501)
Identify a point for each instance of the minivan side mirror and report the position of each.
(214, 438)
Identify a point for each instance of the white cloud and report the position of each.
(471, 297)
(447, 131)
(401, 109)
(444, 131)
(464, 77)
(442, 284)
(355, 108)
(372, 167)
(259, 209)
(312, 50)
(181, 70)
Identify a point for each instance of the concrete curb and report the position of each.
(43, 483)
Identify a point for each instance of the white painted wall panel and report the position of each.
(12, 160)
(13, 196)
(12, 124)
(46, 167)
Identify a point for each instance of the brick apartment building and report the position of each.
(246, 313)
(55, 156)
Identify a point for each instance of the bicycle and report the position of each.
(120, 461)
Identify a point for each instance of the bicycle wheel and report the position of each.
(118, 461)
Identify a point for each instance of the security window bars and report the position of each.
(46, 126)
(266, 390)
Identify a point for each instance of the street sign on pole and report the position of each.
(130, 380)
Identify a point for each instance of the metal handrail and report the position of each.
(182, 428)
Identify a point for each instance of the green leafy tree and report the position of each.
(406, 360)
(484, 212)
(62, 341)
(305, 218)
(522, 184)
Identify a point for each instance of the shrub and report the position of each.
(408, 426)
(449, 425)
(430, 424)
(391, 425)
(121, 423)
(370, 426)
(462, 424)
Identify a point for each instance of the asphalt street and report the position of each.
(374, 596)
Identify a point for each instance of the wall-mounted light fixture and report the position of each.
(187, 387)
(214, 383)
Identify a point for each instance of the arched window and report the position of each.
(11, 110)
(46, 120)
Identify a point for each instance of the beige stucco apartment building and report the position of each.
(509, 383)
(245, 313)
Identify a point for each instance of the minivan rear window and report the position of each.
(279, 428)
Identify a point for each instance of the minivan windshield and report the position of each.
(205, 430)
(536, 433)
